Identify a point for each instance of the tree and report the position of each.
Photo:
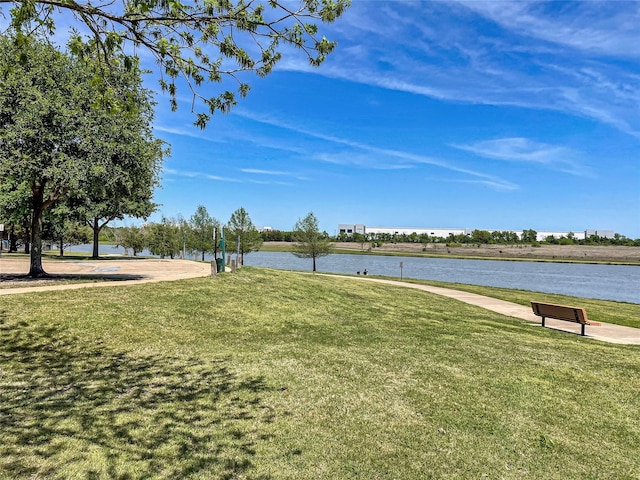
(164, 238)
(122, 180)
(481, 236)
(133, 238)
(56, 144)
(241, 227)
(310, 242)
(62, 227)
(42, 103)
(529, 236)
(14, 210)
(201, 232)
(192, 42)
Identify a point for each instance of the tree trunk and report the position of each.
(96, 236)
(13, 240)
(35, 267)
(314, 263)
(61, 245)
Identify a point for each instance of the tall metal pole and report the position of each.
(215, 243)
(238, 252)
(222, 248)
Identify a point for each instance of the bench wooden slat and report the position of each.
(562, 312)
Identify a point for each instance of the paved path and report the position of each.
(607, 332)
(125, 271)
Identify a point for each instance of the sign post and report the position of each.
(400, 270)
(238, 252)
(223, 247)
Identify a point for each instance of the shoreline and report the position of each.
(587, 254)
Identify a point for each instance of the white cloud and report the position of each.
(528, 151)
(608, 28)
(191, 132)
(501, 186)
(263, 172)
(368, 156)
(217, 178)
(199, 175)
(579, 58)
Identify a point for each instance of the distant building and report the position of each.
(264, 229)
(600, 233)
(351, 228)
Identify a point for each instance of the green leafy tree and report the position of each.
(200, 236)
(164, 238)
(193, 43)
(122, 180)
(359, 238)
(133, 238)
(310, 242)
(62, 227)
(550, 239)
(481, 236)
(529, 236)
(241, 227)
(57, 145)
(15, 211)
(43, 103)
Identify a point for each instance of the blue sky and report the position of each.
(493, 115)
(455, 114)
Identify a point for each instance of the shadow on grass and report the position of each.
(73, 409)
(24, 280)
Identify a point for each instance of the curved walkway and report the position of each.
(607, 332)
(108, 272)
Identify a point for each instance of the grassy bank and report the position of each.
(603, 254)
(619, 313)
(276, 375)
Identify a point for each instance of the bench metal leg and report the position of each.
(543, 321)
(582, 329)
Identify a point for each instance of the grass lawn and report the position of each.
(267, 374)
(618, 313)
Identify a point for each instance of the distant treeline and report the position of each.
(529, 237)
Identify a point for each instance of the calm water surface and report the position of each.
(606, 282)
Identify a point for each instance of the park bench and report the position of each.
(561, 312)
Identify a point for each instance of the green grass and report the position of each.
(619, 313)
(275, 375)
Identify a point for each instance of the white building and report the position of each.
(351, 228)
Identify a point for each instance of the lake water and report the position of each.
(606, 282)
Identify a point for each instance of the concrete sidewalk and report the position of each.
(107, 272)
(607, 332)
